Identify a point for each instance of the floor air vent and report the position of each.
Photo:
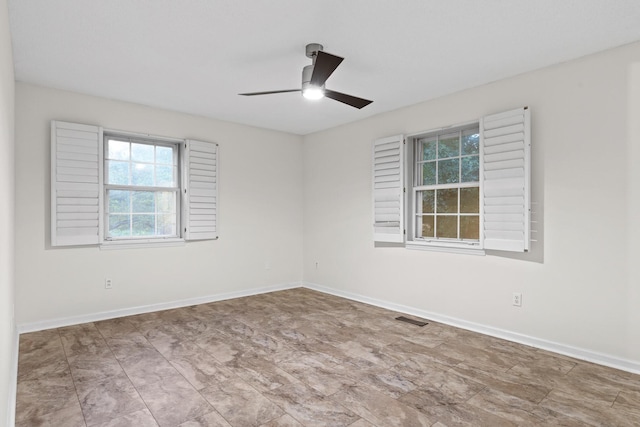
(412, 321)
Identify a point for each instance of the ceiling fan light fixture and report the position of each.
(313, 93)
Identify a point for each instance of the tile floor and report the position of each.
(303, 358)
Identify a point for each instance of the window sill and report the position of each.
(450, 248)
(141, 244)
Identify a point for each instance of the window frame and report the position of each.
(412, 188)
(177, 189)
(108, 242)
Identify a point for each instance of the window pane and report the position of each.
(142, 174)
(118, 172)
(164, 176)
(429, 173)
(118, 150)
(447, 200)
(470, 200)
(427, 226)
(447, 227)
(118, 201)
(470, 227)
(142, 153)
(143, 201)
(448, 171)
(470, 169)
(167, 225)
(428, 148)
(164, 155)
(449, 146)
(470, 142)
(166, 202)
(143, 225)
(428, 198)
(119, 225)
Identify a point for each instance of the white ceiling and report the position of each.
(195, 56)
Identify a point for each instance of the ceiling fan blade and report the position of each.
(347, 99)
(269, 92)
(324, 66)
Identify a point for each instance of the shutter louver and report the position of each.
(76, 182)
(201, 202)
(506, 175)
(388, 189)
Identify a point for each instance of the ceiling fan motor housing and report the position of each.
(306, 78)
(312, 49)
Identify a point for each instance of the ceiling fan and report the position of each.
(314, 77)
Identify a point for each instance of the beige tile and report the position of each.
(114, 328)
(380, 409)
(439, 387)
(240, 404)
(142, 418)
(39, 397)
(261, 374)
(467, 416)
(362, 423)
(148, 367)
(504, 382)
(284, 421)
(83, 340)
(173, 401)
(310, 407)
(516, 410)
(200, 368)
(110, 398)
(628, 401)
(94, 368)
(69, 415)
(212, 419)
(575, 406)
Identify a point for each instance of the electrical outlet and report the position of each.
(517, 299)
(267, 265)
(317, 263)
(108, 284)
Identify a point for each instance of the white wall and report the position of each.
(577, 286)
(7, 322)
(260, 216)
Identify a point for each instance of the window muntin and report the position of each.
(446, 190)
(141, 189)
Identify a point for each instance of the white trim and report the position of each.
(435, 247)
(105, 315)
(109, 245)
(13, 379)
(567, 350)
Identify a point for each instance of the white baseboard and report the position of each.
(567, 350)
(105, 315)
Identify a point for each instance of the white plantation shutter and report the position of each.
(388, 189)
(76, 184)
(506, 171)
(201, 197)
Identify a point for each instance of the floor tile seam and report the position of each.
(510, 406)
(73, 380)
(132, 384)
(570, 415)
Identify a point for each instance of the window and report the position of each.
(464, 188)
(115, 189)
(446, 185)
(142, 188)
